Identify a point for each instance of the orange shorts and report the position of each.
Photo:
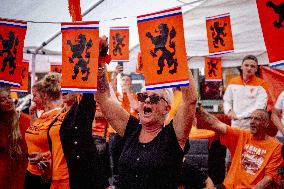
(60, 184)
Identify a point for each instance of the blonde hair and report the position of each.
(51, 85)
(15, 137)
(38, 86)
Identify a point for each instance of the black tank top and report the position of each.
(153, 165)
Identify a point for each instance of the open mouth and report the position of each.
(252, 127)
(147, 111)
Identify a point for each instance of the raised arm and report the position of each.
(206, 118)
(182, 122)
(275, 117)
(277, 112)
(112, 111)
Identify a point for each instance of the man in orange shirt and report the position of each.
(255, 155)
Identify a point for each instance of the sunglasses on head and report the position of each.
(154, 98)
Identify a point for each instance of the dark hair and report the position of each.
(250, 57)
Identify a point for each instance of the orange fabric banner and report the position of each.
(163, 50)
(272, 24)
(75, 10)
(119, 43)
(80, 53)
(24, 79)
(275, 80)
(219, 34)
(139, 66)
(56, 67)
(12, 36)
(213, 69)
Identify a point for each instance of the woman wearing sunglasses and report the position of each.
(152, 153)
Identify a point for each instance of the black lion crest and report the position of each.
(212, 68)
(10, 50)
(82, 62)
(218, 33)
(278, 9)
(160, 42)
(117, 43)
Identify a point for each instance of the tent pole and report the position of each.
(33, 69)
(92, 7)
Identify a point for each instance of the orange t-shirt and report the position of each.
(251, 159)
(36, 136)
(24, 123)
(59, 165)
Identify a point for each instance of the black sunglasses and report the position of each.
(63, 94)
(154, 98)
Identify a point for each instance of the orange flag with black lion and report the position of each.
(24, 88)
(12, 36)
(213, 69)
(80, 52)
(219, 34)
(271, 16)
(56, 67)
(162, 44)
(119, 43)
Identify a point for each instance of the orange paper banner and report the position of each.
(24, 88)
(56, 67)
(213, 69)
(163, 51)
(12, 36)
(219, 34)
(119, 43)
(272, 23)
(80, 53)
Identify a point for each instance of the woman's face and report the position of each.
(153, 112)
(37, 99)
(6, 102)
(69, 98)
